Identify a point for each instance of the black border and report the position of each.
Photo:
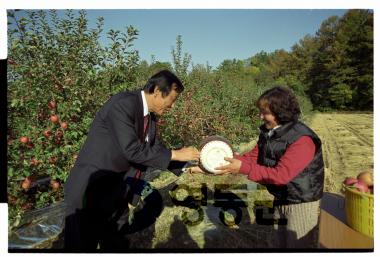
(219, 250)
(3, 132)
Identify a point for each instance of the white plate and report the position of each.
(213, 153)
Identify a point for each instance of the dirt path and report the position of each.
(347, 145)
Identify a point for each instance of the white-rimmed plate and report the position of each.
(212, 153)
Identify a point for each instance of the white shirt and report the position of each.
(145, 104)
(145, 111)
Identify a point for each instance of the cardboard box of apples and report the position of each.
(363, 182)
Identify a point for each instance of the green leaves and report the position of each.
(58, 58)
(340, 95)
(181, 60)
(121, 61)
(343, 58)
(16, 103)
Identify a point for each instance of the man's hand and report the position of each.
(194, 169)
(185, 154)
(233, 167)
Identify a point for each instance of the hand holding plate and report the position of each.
(233, 167)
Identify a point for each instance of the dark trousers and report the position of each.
(95, 221)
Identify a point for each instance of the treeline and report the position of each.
(334, 67)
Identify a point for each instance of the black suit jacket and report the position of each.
(115, 143)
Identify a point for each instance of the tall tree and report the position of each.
(323, 63)
(355, 40)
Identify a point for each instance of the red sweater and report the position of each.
(295, 159)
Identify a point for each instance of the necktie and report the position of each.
(146, 121)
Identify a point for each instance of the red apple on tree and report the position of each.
(30, 145)
(24, 140)
(26, 184)
(47, 133)
(64, 125)
(55, 185)
(52, 105)
(54, 118)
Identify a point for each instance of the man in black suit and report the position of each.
(120, 145)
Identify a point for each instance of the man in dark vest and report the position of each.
(121, 145)
(288, 161)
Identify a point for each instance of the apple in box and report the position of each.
(349, 181)
(359, 184)
(366, 177)
(361, 187)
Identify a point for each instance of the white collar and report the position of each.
(270, 133)
(145, 104)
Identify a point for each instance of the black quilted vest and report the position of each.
(307, 186)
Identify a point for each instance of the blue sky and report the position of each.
(213, 35)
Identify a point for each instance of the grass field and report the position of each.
(347, 140)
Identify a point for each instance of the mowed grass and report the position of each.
(347, 140)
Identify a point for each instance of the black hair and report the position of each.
(282, 102)
(164, 80)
